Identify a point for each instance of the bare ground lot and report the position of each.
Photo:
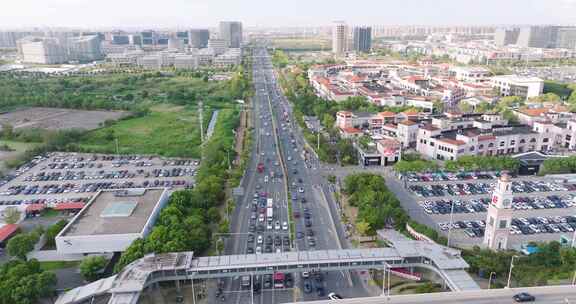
(57, 119)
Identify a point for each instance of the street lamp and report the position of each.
(490, 279)
(510, 272)
(451, 223)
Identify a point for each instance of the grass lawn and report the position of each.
(18, 146)
(53, 265)
(168, 131)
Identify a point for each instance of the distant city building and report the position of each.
(362, 38)
(185, 62)
(199, 38)
(339, 38)
(566, 38)
(148, 37)
(218, 46)
(9, 39)
(42, 50)
(84, 49)
(231, 32)
(183, 36)
(506, 36)
(121, 39)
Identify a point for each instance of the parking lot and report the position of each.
(65, 177)
(544, 208)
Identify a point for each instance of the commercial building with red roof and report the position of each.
(6, 232)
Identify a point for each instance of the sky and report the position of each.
(207, 13)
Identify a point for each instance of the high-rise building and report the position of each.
(506, 36)
(231, 32)
(499, 217)
(84, 48)
(362, 38)
(538, 36)
(8, 39)
(148, 37)
(183, 36)
(44, 50)
(199, 38)
(339, 38)
(566, 38)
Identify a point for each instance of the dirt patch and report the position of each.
(240, 135)
(58, 119)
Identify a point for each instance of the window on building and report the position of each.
(480, 147)
(472, 149)
(502, 224)
(502, 144)
(533, 140)
(490, 145)
(522, 141)
(491, 221)
(431, 144)
(512, 142)
(545, 140)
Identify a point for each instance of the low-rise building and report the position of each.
(513, 85)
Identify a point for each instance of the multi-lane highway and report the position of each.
(283, 173)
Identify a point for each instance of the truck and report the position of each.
(270, 213)
(260, 167)
(269, 203)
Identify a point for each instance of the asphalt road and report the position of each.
(544, 295)
(280, 147)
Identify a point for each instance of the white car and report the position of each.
(301, 190)
(277, 225)
(261, 218)
(266, 178)
(278, 250)
(260, 240)
(334, 296)
(269, 226)
(284, 226)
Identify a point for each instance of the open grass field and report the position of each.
(301, 44)
(16, 150)
(169, 131)
(53, 265)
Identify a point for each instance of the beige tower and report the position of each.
(499, 216)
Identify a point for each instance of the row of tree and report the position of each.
(558, 165)
(463, 163)
(24, 282)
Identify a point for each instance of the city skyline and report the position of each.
(182, 13)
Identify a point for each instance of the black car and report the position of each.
(288, 280)
(299, 235)
(250, 250)
(303, 200)
(310, 232)
(524, 297)
(267, 281)
(308, 223)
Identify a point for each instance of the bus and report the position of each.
(269, 203)
(279, 280)
(269, 214)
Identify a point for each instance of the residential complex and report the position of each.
(231, 32)
(362, 39)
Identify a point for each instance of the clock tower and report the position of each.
(499, 216)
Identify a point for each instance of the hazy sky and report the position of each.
(185, 13)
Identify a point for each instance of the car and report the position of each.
(307, 286)
(301, 190)
(334, 296)
(308, 223)
(260, 239)
(299, 235)
(258, 250)
(284, 226)
(250, 250)
(250, 238)
(524, 297)
(277, 225)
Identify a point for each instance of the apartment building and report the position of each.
(470, 74)
(42, 50)
(554, 113)
(231, 33)
(339, 38)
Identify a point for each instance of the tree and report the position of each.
(363, 228)
(7, 131)
(91, 267)
(12, 215)
(20, 245)
(465, 107)
(53, 231)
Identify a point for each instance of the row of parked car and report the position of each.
(520, 225)
(444, 206)
(51, 202)
(102, 174)
(459, 189)
(88, 187)
(448, 176)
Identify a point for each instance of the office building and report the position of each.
(42, 50)
(339, 38)
(111, 221)
(84, 48)
(506, 36)
(183, 36)
(362, 38)
(199, 38)
(513, 85)
(9, 39)
(121, 39)
(231, 32)
(148, 37)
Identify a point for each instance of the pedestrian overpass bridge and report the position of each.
(126, 286)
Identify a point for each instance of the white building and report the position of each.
(42, 50)
(218, 46)
(111, 221)
(470, 74)
(513, 85)
(186, 62)
(84, 48)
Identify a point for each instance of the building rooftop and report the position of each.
(115, 212)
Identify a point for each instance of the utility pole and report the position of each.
(510, 272)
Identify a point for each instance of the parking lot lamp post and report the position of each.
(510, 272)
(490, 279)
(451, 223)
